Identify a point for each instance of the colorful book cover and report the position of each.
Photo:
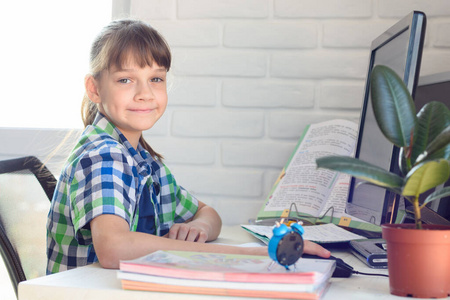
(273, 294)
(228, 267)
(226, 275)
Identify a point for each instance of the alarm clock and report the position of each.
(286, 245)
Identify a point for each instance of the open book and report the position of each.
(318, 195)
(225, 274)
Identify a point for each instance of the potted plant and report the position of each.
(424, 142)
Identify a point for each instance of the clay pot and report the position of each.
(418, 260)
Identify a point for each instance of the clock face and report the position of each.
(290, 249)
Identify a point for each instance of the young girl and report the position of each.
(115, 199)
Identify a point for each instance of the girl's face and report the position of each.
(131, 97)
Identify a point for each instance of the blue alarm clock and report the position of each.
(286, 244)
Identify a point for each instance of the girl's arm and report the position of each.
(203, 227)
(113, 241)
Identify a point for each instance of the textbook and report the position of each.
(226, 274)
(317, 195)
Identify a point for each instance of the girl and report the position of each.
(115, 199)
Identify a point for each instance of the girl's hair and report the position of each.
(118, 42)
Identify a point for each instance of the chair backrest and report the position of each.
(26, 186)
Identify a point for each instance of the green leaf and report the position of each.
(403, 163)
(361, 170)
(440, 142)
(426, 176)
(433, 118)
(442, 153)
(393, 106)
(437, 195)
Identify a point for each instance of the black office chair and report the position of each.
(22, 204)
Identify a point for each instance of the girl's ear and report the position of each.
(91, 86)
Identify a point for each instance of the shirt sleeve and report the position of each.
(177, 204)
(103, 183)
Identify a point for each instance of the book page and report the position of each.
(304, 184)
(326, 233)
(338, 196)
(338, 199)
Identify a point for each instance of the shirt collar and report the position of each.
(101, 122)
(140, 155)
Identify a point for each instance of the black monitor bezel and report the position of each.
(415, 22)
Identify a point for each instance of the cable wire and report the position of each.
(369, 274)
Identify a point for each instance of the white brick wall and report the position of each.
(218, 123)
(267, 93)
(278, 35)
(323, 9)
(433, 8)
(248, 75)
(206, 9)
(442, 35)
(320, 64)
(219, 62)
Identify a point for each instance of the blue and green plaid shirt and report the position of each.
(105, 175)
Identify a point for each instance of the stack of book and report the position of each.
(226, 274)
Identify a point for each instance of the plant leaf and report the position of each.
(438, 195)
(441, 141)
(402, 162)
(426, 176)
(442, 153)
(433, 118)
(361, 169)
(393, 106)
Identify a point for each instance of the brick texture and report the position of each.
(323, 9)
(248, 75)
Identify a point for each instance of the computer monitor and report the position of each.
(434, 87)
(400, 48)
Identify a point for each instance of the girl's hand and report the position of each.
(194, 231)
(315, 249)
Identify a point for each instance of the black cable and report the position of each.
(370, 274)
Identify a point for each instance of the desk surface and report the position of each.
(94, 282)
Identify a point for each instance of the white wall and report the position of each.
(248, 75)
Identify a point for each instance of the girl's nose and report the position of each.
(144, 92)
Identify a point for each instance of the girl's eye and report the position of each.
(157, 79)
(124, 80)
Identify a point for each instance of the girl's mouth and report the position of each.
(143, 111)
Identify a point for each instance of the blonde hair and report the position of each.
(117, 42)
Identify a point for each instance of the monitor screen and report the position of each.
(400, 48)
(435, 87)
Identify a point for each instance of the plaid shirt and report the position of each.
(105, 175)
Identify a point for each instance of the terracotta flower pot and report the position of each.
(418, 260)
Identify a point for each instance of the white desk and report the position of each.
(94, 282)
